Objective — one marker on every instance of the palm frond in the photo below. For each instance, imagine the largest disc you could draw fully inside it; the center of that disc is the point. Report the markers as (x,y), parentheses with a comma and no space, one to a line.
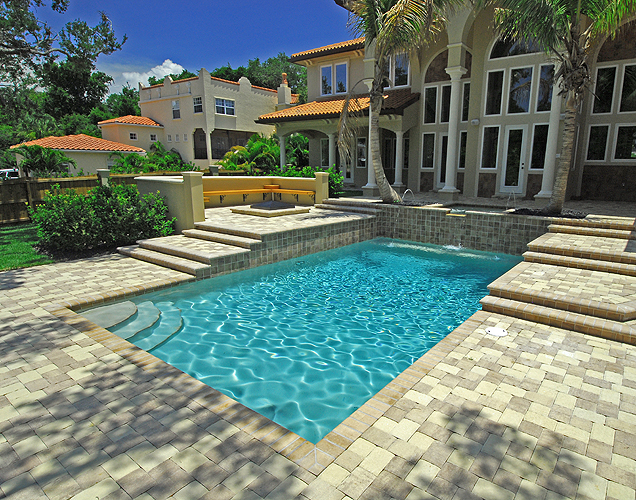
(349,126)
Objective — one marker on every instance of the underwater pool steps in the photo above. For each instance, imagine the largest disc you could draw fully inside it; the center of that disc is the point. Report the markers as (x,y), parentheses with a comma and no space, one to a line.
(168,324)
(146,316)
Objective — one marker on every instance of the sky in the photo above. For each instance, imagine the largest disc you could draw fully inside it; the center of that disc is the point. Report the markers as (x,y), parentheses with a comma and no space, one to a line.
(166,37)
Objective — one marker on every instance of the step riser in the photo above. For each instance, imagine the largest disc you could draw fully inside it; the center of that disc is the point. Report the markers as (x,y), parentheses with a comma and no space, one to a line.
(599,224)
(560,319)
(176,252)
(219,238)
(590,309)
(347,208)
(605,233)
(198,271)
(580,263)
(226,230)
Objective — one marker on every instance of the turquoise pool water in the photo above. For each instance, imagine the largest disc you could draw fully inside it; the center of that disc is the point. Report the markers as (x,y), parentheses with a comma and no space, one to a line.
(307,341)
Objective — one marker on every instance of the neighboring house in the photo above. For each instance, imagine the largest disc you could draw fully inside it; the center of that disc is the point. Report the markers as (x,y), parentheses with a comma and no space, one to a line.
(473,114)
(90,153)
(200,117)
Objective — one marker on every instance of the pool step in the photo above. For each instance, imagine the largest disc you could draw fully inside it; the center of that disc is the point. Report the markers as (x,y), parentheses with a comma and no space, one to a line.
(625,234)
(195,249)
(580,263)
(227,239)
(169,323)
(210,226)
(623,332)
(110,315)
(197,269)
(586,247)
(348,208)
(145,317)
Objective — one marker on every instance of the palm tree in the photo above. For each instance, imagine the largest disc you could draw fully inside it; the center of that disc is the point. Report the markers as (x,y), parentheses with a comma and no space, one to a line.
(390,27)
(569,31)
(40,161)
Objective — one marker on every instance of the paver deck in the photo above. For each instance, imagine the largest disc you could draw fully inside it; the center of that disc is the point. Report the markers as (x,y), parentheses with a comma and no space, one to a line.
(541,413)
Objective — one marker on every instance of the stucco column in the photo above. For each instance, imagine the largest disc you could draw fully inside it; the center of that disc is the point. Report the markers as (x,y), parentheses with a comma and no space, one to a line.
(449,189)
(208,146)
(399,158)
(332,151)
(370,172)
(283,153)
(549,165)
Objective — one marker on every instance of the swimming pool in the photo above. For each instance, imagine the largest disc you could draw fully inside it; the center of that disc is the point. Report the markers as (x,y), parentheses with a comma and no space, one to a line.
(307,341)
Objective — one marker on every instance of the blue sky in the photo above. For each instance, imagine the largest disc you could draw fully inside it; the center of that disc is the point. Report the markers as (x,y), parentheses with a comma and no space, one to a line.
(164,37)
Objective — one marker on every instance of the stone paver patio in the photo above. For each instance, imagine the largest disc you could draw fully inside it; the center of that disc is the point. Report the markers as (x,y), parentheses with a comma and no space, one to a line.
(542,413)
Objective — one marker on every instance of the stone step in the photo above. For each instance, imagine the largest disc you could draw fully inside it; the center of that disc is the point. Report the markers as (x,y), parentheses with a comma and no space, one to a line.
(227,239)
(580,263)
(622,332)
(348,208)
(197,269)
(617,223)
(352,203)
(586,247)
(210,226)
(145,317)
(110,315)
(593,293)
(195,249)
(593,231)
(170,322)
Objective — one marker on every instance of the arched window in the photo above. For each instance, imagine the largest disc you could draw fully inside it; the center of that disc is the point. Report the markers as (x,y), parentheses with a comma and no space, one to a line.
(511,48)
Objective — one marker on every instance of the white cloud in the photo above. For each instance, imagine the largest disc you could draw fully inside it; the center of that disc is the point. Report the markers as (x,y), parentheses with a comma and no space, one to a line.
(134,77)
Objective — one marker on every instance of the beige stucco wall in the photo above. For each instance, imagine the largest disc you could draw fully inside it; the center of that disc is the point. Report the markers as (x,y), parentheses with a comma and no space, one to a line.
(119,132)
(89,161)
(355,72)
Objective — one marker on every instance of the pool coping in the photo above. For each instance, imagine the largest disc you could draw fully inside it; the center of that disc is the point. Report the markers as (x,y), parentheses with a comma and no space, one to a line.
(314,457)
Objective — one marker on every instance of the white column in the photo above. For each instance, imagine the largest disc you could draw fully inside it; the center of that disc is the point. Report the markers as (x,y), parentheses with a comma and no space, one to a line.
(453,122)
(332,149)
(208,147)
(370,172)
(551,147)
(399,158)
(283,155)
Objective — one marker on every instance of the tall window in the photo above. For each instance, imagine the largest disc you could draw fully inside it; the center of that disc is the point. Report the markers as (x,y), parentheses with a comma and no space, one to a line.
(324,153)
(539,143)
(604,91)
(466,102)
(325,80)
(628,93)
(428,150)
(494,92)
(400,70)
(198,104)
(625,143)
(490,146)
(430,104)
(176,112)
(546,78)
(445,111)
(225,107)
(341,78)
(520,86)
(597,144)
(361,152)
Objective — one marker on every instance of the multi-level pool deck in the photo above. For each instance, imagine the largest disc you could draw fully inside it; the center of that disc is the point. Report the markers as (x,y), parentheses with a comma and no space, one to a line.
(546,412)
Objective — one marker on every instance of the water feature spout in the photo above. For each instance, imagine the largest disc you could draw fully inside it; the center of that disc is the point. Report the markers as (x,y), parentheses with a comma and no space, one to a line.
(406,191)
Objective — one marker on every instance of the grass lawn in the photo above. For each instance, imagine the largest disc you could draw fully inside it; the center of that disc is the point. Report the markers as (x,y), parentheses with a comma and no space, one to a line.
(16,247)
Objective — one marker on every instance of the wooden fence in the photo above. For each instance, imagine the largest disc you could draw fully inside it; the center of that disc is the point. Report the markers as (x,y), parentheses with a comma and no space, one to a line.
(17,195)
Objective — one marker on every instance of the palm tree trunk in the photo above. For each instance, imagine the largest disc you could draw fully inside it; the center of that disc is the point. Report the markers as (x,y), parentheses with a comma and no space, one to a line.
(565,160)
(387,193)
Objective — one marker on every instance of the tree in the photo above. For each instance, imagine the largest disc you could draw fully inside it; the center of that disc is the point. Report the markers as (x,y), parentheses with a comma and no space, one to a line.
(390,27)
(153,80)
(124,103)
(25,41)
(72,87)
(569,31)
(41,162)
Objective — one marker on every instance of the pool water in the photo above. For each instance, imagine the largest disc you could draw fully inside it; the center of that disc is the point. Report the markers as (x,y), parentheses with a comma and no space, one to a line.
(308,341)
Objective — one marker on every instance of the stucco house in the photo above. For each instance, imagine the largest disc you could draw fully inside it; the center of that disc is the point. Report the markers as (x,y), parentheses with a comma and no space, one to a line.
(474,115)
(201,117)
(90,153)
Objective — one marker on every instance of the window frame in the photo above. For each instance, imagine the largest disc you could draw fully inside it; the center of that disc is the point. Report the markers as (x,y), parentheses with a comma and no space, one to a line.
(133,136)
(465,85)
(330,67)
(153,137)
(195,105)
(622,84)
(422,167)
(536,91)
(617,126)
(324,161)
(508,86)
(169,138)
(503,92)
(494,168)
(436,88)
(224,106)
(334,79)
(534,131)
(366,152)
(392,67)
(176,107)
(608,126)
(613,103)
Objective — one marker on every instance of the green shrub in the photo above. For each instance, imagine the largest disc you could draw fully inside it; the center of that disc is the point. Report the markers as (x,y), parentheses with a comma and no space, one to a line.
(158,159)
(335,177)
(108,216)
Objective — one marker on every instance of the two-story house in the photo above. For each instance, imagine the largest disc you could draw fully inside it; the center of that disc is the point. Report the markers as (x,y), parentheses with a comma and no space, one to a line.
(474,114)
(200,117)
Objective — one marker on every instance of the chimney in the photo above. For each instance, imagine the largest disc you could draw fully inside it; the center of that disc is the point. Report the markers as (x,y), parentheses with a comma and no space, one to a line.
(284,94)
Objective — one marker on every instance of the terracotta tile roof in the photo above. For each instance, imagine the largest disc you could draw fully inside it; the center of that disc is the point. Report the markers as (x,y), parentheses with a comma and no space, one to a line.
(132,120)
(395,101)
(336,48)
(80,142)
(295,98)
(212,77)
